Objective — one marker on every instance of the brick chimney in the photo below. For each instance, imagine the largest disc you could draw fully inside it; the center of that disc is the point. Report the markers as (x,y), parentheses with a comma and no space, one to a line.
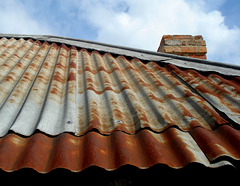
(184,45)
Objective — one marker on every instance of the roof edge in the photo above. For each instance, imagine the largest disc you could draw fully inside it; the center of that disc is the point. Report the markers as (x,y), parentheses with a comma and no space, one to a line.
(181,61)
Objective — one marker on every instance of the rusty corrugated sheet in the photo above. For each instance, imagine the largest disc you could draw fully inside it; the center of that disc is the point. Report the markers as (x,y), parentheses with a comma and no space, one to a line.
(221,91)
(146,113)
(144,149)
(61,89)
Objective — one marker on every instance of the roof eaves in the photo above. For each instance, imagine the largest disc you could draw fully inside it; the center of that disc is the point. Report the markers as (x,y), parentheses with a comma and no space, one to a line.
(180,61)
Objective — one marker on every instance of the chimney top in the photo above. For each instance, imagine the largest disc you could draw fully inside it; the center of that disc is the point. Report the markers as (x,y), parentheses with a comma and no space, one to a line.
(184,45)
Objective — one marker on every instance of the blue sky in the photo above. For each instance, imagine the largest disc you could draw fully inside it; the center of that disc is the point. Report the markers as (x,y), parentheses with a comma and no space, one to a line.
(131,23)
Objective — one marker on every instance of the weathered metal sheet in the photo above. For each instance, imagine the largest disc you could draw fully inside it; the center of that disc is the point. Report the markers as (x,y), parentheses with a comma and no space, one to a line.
(61,89)
(58,89)
(223,92)
(144,149)
(223,141)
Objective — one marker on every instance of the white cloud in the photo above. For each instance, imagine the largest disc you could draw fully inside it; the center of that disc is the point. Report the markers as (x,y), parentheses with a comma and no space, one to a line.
(142,23)
(15,19)
(132,23)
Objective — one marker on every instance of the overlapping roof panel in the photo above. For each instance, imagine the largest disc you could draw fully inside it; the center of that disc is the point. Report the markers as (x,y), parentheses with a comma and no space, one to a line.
(61,89)
(222,92)
(144,149)
(75,107)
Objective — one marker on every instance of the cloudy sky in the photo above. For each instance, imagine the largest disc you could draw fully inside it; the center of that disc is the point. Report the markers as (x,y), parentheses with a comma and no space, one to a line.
(132,23)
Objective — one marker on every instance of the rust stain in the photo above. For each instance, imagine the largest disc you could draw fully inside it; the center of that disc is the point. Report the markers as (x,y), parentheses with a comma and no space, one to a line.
(16,55)
(71,76)
(54,91)
(55,46)
(39,43)
(9,78)
(65,47)
(72,65)
(61,66)
(58,77)
(30,40)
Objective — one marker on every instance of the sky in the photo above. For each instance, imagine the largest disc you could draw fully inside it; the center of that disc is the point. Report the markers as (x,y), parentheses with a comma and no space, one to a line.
(131,23)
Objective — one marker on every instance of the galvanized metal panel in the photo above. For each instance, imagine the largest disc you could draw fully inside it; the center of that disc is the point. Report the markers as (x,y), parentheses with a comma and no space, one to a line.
(223,92)
(61,89)
(144,149)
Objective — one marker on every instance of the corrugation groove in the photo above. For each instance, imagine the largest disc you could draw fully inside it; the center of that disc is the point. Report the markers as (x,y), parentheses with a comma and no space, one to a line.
(6,45)
(12,71)
(37,97)
(3,41)
(144,149)
(221,92)
(52,117)
(77,91)
(9,60)
(33,70)
(21,89)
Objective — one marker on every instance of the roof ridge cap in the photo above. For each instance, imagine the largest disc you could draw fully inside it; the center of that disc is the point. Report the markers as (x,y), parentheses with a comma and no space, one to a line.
(147,55)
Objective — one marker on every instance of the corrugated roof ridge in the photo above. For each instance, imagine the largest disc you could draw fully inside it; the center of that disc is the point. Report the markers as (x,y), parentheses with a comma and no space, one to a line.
(181,61)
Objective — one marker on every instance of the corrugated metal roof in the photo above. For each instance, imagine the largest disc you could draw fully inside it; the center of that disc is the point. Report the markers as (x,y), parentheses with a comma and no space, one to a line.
(57,88)
(222,92)
(61,89)
(144,149)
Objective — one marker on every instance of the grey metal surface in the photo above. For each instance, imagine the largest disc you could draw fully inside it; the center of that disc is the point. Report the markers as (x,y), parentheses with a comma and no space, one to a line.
(61,89)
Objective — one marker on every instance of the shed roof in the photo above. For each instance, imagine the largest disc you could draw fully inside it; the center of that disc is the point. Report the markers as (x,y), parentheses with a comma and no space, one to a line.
(100,94)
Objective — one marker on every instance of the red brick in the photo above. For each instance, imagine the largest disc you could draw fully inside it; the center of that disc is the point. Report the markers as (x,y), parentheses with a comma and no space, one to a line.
(202,50)
(160,49)
(184,43)
(171,49)
(191,42)
(198,56)
(199,37)
(200,43)
(167,37)
(179,37)
(188,50)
